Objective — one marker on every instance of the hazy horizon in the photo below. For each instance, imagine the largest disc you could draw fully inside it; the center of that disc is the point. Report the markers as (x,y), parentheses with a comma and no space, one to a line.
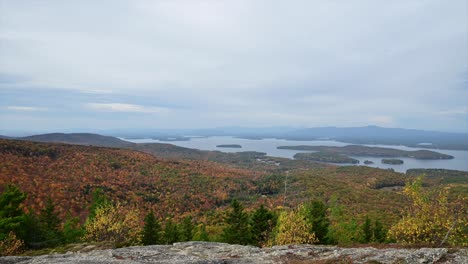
(228,130)
(178,64)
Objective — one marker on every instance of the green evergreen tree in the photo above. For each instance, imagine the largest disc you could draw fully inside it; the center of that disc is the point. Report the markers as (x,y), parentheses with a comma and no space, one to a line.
(367,230)
(344,230)
(151,230)
(34,237)
(237,230)
(201,234)
(12,217)
(262,224)
(379,232)
(316,215)
(50,223)
(186,229)
(171,232)
(72,230)
(99,199)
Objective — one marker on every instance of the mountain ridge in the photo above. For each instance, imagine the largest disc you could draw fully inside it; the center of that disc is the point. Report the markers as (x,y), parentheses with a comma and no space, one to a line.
(354,135)
(79,139)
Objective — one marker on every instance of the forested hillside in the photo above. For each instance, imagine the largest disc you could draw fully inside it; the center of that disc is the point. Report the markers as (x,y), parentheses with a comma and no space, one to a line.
(70,173)
(182,200)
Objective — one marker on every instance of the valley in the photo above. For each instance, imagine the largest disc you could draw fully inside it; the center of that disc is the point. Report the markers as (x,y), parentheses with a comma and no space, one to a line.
(178,183)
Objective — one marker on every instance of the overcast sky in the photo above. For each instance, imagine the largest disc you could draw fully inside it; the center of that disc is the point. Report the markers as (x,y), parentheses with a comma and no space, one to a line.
(211,63)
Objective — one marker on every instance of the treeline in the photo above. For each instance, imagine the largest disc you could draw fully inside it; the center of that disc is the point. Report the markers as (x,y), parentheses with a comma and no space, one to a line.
(311,222)
(430,220)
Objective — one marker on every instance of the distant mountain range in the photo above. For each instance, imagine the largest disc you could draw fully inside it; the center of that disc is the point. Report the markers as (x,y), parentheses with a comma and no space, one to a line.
(384,136)
(354,135)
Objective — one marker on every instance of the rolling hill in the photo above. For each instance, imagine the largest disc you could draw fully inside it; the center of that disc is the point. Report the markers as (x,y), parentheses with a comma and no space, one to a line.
(178,187)
(246,159)
(70,173)
(80,139)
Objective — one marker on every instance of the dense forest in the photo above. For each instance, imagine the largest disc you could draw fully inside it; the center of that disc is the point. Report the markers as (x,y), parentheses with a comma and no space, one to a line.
(358,150)
(57,194)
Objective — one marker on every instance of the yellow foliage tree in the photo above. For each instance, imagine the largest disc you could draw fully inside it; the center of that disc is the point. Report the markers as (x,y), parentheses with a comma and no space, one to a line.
(293,228)
(116,224)
(431,219)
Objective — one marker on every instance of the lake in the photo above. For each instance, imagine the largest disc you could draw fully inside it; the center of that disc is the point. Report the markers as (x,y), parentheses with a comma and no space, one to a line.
(268,145)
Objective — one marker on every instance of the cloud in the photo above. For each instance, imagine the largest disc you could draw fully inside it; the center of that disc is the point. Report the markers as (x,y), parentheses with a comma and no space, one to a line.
(26,108)
(128,108)
(96,91)
(456,111)
(307,63)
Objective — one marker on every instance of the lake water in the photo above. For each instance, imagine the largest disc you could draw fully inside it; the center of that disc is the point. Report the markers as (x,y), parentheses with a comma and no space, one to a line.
(269,146)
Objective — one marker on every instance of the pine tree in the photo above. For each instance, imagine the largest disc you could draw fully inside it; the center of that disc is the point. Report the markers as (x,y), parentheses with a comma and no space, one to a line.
(186,229)
(171,232)
(99,199)
(367,230)
(50,223)
(201,234)
(316,215)
(151,230)
(379,232)
(237,230)
(343,229)
(34,235)
(72,230)
(12,217)
(262,223)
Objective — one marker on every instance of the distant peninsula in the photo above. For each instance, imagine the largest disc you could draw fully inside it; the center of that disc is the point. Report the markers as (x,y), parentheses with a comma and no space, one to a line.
(229,146)
(358,150)
(392,161)
(323,156)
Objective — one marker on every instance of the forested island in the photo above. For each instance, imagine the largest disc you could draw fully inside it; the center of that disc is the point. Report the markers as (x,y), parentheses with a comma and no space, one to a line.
(229,146)
(392,161)
(323,156)
(358,150)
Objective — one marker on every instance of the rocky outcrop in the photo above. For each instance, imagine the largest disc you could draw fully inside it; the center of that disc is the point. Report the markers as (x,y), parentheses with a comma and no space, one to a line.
(211,253)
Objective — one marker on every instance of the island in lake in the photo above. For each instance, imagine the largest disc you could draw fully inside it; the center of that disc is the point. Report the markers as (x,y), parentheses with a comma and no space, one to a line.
(324,156)
(358,150)
(367,162)
(229,146)
(392,161)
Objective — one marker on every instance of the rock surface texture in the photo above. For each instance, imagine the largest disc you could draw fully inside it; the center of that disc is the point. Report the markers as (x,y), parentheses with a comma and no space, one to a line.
(206,252)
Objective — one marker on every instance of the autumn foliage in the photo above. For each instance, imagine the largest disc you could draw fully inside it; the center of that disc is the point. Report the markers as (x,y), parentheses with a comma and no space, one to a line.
(67,193)
(293,228)
(116,224)
(69,174)
(431,219)
(11,245)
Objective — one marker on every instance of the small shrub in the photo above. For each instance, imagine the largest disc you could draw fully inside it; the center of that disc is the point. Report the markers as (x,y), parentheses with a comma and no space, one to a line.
(11,245)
